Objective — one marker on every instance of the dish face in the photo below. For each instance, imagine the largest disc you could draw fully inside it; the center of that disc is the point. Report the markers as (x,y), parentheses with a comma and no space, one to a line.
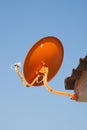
(48,50)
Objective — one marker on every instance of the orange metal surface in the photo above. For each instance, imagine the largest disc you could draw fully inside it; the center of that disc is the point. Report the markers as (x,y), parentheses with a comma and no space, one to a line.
(48,52)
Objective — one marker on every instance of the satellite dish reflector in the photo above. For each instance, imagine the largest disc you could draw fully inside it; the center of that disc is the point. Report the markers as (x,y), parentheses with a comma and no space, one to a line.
(48,52)
(42,63)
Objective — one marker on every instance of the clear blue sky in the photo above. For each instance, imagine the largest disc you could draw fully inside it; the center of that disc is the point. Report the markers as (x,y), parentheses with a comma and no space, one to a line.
(22,23)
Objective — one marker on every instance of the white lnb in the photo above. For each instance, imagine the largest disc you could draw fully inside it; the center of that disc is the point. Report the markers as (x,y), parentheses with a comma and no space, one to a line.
(17,64)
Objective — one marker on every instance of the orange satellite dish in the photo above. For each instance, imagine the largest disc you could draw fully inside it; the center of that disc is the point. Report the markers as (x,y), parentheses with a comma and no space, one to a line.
(49,52)
(42,63)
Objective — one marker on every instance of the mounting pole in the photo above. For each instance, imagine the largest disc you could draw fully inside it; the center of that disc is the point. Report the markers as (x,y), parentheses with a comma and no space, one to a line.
(45,71)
